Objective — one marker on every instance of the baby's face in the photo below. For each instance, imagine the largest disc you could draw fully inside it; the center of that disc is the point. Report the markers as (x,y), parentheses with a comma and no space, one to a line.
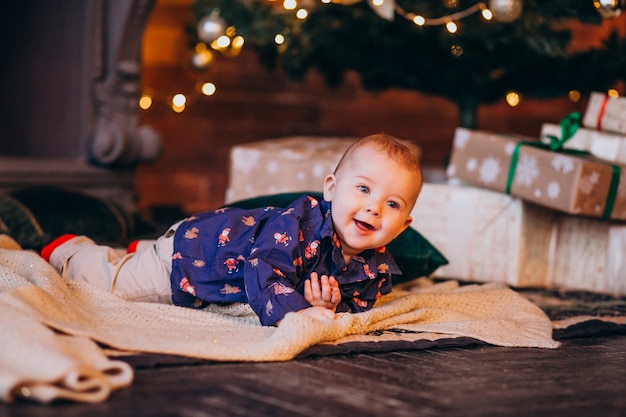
(372,200)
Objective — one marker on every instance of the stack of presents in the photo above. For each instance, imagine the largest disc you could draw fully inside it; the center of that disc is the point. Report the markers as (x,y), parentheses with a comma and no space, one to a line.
(529,212)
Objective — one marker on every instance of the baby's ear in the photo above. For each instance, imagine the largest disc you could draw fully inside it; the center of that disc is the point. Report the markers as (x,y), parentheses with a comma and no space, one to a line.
(407,223)
(329,187)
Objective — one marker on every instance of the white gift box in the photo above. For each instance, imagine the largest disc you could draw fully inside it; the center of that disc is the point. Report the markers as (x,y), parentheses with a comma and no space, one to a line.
(491,237)
(290,164)
(605,113)
(486,236)
(608,146)
(589,254)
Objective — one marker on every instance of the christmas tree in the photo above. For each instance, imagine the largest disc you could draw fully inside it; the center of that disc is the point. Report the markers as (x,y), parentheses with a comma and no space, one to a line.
(470,53)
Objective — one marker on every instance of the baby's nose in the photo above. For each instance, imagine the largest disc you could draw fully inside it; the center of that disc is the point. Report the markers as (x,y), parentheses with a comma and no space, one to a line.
(373,209)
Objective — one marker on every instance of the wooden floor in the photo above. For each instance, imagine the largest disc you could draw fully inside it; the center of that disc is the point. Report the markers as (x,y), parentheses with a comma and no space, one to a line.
(585,377)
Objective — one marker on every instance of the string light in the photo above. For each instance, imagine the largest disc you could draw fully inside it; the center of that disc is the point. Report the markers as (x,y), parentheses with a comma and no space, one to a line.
(208,89)
(145,102)
(279,39)
(179,102)
(202,56)
(513,98)
(228,42)
(447,20)
(237,42)
(419,20)
(216,36)
(211,27)
(290,4)
(222,42)
(574,96)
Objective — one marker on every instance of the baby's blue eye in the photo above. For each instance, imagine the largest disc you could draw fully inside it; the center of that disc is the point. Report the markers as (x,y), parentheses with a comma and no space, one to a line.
(364,189)
(392,204)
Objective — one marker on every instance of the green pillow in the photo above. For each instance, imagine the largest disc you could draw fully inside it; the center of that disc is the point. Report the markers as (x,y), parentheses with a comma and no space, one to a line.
(415,255)
(34,216)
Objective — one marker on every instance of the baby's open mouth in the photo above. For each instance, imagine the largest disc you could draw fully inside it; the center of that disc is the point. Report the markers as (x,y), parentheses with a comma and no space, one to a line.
(363,226)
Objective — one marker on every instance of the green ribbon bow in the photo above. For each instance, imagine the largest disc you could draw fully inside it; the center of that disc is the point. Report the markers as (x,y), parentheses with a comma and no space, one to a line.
(569,125)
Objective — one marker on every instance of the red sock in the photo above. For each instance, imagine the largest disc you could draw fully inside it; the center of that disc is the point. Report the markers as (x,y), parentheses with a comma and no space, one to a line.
(132,247)
(47,250)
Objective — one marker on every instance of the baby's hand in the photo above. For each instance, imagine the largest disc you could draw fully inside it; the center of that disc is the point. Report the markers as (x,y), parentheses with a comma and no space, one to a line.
(322,292)
(318,312)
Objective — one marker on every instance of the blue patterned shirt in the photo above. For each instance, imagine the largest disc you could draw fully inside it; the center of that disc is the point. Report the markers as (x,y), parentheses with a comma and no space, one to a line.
(263,256)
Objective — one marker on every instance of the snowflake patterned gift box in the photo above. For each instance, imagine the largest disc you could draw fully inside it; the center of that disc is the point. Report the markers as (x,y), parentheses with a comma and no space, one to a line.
(606,113)
(280,165)
(572,183)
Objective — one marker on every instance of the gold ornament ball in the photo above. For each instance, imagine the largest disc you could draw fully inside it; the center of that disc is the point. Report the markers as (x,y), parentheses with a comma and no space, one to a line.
(506,11)
(610,8)
(211,27)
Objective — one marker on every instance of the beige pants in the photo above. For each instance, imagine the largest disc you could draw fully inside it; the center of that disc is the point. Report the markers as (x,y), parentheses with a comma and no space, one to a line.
(140,276)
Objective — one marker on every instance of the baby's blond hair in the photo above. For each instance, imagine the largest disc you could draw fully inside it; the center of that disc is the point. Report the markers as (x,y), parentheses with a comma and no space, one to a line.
(403,152)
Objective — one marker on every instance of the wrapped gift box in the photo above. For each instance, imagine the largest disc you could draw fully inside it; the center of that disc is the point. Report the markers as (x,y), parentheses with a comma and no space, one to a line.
(588,254)
(485,235)
(606,113)
(290,164)
(491,237)
(569,183)
(608,146)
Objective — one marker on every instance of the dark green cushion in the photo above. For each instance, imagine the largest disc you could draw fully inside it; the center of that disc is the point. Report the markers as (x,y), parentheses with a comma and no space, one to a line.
(34,216)
(414,254)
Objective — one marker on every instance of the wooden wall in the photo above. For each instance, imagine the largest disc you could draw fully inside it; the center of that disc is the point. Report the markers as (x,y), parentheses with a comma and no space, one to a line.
(252,104)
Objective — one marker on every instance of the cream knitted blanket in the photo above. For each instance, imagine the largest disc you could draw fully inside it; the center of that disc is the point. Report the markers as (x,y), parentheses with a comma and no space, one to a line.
(53,330)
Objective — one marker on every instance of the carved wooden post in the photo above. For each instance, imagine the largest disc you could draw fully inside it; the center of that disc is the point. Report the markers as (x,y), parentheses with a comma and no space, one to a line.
(118,140)
(69,103)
